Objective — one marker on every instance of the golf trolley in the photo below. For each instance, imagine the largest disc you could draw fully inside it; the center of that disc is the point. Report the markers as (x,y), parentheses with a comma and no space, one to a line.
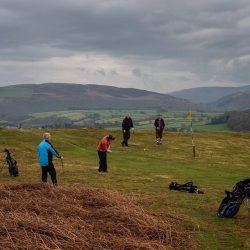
(230,205)
(12,163)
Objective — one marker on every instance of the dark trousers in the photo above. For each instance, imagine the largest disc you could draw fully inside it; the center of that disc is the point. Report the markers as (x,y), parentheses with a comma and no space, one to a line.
(102,161)
(52,172)
(158,134)
(126,136)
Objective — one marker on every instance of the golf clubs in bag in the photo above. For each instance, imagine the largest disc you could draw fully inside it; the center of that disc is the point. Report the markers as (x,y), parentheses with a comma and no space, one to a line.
(230,205)
(188,187)
(12,163)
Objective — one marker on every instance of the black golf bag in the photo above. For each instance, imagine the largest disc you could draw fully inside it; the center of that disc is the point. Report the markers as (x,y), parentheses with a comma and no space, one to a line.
(12,164)
(188,187)
(230,205)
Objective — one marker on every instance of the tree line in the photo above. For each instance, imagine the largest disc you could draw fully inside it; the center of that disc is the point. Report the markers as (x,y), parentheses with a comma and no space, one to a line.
(235,120)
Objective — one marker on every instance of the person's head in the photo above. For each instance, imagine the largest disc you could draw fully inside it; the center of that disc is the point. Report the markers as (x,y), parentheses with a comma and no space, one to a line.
(110,137)
(127,115)
(160,116)
(47,136)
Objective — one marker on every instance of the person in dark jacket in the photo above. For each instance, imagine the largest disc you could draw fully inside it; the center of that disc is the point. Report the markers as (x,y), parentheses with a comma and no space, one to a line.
(102,149)
(45,152)
(159,127)
(12,163)
(127,125)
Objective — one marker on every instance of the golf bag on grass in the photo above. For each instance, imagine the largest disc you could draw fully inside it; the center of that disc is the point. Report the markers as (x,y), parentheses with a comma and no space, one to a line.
(188,187)
(12,164)
(230,205)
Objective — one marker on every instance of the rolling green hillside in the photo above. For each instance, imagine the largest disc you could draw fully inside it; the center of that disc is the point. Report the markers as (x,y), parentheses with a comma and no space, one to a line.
(236,101)
(26,99)
(208,94)
(145,170)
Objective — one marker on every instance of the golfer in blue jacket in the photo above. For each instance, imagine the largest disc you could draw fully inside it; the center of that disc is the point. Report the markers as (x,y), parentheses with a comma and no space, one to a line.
(45,152)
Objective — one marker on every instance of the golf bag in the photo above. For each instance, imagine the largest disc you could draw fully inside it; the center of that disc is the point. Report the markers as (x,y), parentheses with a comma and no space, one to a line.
(230,205)
(188,187)
(12,164)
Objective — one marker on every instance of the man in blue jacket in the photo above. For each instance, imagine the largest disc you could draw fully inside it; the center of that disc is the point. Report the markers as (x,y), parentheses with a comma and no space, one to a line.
(45,152)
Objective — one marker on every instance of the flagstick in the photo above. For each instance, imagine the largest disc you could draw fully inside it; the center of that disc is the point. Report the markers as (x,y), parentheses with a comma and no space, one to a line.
(192,134)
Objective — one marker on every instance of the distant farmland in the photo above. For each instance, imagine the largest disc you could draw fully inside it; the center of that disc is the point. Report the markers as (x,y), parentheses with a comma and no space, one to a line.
(143,119)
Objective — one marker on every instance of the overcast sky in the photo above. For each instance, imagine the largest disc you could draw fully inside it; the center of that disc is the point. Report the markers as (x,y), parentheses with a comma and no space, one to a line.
(160,45)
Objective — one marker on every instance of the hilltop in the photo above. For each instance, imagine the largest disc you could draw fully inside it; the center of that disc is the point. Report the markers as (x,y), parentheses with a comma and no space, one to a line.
(207,95)
(235,101)
(35,98)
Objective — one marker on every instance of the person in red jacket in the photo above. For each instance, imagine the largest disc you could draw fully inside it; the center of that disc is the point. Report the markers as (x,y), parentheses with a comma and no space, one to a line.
(102,149)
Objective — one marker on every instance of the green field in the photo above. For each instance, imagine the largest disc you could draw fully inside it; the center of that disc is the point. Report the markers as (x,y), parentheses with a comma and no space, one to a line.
(146,170)
(143,119)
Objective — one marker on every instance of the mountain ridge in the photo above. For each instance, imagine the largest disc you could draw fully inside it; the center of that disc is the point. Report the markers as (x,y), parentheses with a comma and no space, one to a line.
(33,98)
(206,95)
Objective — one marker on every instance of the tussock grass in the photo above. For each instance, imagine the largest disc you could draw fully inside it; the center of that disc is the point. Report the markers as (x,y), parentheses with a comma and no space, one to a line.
(43,217)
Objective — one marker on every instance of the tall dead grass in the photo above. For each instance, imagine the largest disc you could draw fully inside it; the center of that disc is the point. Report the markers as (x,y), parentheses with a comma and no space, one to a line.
(38,216)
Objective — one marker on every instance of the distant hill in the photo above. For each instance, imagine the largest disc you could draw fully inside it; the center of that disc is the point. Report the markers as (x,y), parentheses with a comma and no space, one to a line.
(33,98)
(207,95)
(236,101)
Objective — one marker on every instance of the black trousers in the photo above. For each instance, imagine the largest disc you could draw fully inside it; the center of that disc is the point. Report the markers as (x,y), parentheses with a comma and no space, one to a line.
(102,161)
(158,133)
(52,172)
(126,136)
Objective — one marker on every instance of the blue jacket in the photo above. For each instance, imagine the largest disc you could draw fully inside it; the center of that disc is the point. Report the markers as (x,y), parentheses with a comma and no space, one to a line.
(45,151)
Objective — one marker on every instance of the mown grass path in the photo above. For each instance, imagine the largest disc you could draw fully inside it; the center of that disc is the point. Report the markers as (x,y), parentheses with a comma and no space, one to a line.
(146,169)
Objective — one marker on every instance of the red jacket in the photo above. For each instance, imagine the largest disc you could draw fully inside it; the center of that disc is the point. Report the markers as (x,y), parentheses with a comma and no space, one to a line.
(103,144)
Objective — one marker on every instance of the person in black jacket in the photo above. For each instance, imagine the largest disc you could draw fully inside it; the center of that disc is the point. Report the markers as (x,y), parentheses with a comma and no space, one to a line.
(127,124)
(159,127)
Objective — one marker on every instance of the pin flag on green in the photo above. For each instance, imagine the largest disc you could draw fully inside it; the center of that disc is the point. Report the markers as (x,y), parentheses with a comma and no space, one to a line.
(189,117)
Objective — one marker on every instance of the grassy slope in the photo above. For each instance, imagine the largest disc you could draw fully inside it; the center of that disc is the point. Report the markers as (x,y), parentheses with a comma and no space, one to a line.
(223,159)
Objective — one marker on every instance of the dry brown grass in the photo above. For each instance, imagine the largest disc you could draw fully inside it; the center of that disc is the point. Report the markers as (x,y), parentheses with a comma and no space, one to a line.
(37,216)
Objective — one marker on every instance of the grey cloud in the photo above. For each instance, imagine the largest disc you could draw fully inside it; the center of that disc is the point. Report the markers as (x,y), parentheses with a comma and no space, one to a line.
(101,72)
(137,72)
(194,33)
(113,72)
(115,30)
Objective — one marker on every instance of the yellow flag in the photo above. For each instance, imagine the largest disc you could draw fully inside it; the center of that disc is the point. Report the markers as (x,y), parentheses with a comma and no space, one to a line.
(189,115)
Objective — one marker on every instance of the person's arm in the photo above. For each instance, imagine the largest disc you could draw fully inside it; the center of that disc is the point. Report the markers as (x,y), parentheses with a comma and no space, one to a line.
(53,151)
(163,124)
(109,149)
(123,124)
(155,123)
(107,146)
(131,124)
